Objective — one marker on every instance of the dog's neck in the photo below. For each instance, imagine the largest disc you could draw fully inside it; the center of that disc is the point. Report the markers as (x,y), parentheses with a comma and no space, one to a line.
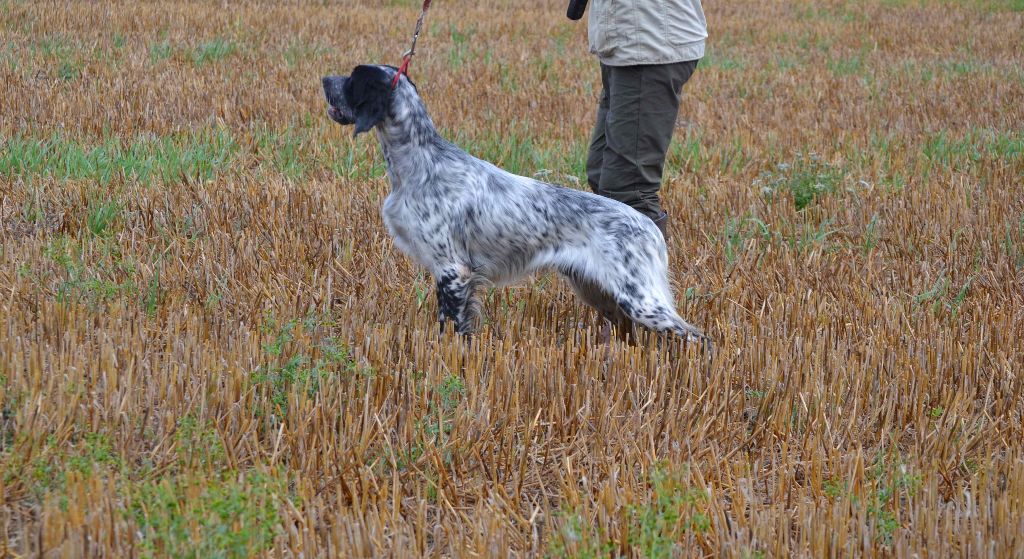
(408,126)
(407,137)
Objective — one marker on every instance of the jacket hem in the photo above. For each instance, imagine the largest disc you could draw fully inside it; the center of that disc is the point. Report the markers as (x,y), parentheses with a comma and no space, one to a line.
(684,53)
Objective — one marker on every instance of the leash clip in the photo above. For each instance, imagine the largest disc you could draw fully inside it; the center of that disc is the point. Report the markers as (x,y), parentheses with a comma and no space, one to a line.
(407,57)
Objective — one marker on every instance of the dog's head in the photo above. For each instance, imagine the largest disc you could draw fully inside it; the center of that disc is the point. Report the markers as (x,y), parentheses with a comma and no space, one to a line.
(363,98)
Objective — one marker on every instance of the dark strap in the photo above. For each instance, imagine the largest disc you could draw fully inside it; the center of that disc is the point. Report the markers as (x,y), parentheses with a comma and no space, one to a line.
(576,9)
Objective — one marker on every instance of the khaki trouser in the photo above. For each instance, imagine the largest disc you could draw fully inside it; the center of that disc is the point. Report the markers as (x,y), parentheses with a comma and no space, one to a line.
(635,119)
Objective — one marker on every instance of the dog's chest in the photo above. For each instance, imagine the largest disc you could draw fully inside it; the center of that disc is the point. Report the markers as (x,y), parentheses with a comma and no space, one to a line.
(416,231)
(395,217)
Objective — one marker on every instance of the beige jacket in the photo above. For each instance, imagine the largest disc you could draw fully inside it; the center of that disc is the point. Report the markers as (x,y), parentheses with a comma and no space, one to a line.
(632,32)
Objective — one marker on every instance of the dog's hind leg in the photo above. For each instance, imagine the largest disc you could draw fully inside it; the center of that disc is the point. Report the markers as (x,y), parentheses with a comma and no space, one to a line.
(456,297)
(602,301)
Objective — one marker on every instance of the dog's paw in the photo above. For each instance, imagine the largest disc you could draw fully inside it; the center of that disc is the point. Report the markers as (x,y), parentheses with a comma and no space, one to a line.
(707,345)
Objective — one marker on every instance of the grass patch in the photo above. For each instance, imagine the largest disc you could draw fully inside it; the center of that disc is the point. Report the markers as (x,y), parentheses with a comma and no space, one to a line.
(297,368)
(75,280)
(741,234)
(160,51)
(1013,242)
(213,51)
(848,66)
(947,151)
(281,150)
(197,155)
(55,46)
(194,516)
(103,215)
(356,160)
(998,6)
(298,52)
(722,60)
(460,51)
(961,68)
(889,485)
(45,474)
(655,527)
(69,70)
(520,152)
(806,179)
(940,297)
(198,444)
(685,153)
(62,53)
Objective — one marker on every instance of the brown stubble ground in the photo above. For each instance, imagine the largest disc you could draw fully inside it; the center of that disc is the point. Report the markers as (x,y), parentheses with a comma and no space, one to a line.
(862,400)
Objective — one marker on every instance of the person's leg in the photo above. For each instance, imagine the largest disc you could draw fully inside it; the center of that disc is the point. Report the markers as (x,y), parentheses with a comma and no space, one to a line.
(597,138)
(643,102)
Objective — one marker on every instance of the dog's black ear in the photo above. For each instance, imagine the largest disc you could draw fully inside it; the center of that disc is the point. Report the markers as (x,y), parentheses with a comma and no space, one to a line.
(368,92)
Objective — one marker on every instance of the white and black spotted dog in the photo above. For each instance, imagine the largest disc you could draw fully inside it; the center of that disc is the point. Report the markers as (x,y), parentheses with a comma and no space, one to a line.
(471,223)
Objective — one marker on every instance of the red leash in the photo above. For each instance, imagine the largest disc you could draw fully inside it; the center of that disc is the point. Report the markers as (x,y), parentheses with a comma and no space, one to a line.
(404,68)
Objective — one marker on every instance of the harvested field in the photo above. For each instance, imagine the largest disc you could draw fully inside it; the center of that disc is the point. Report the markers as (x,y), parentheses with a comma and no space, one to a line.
(209,346)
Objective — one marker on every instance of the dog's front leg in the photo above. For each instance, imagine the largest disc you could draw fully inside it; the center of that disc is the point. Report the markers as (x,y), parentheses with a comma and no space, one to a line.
(455,298)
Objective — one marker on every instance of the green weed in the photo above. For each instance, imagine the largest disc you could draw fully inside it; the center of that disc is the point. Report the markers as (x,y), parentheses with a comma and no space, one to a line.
(54,47)
(92,285)
(297,370)
(451,392)
(198,444)
(811,235)
(892,483)
(735,234)
(282,150)
(197,155)
(674,509)
(518,151)
(799,237)
(685,153)
(851,65)
(235,517)
(721,60)
(870,235)
(356,160)
(656,528)
(102,216)
(577,539)
(160,51)
(808,178)
(997,6)
(298,52)
(69,70)
(944,151)
(459,52)
(934,294)
(733,156)
(91,454)
(835,488)
(213,50)
(151,299)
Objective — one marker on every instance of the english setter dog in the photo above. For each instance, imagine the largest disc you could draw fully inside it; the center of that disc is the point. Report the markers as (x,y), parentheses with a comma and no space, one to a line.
(470,223)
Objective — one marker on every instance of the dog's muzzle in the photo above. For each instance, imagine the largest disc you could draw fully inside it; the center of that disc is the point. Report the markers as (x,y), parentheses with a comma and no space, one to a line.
(337,110)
